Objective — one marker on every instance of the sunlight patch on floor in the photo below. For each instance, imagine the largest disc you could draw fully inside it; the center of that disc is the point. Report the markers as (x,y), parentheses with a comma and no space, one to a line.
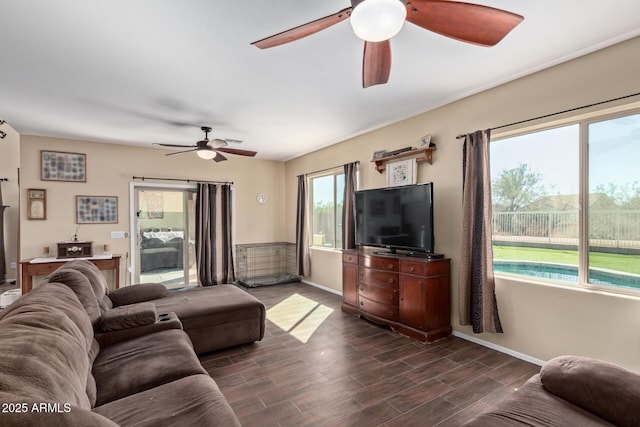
(298,315)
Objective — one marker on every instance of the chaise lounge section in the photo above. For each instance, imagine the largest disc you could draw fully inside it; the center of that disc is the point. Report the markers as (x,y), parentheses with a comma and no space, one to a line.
(214,317)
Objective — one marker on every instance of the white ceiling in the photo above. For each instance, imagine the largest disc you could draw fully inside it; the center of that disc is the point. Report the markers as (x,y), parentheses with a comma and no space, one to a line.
(144,71)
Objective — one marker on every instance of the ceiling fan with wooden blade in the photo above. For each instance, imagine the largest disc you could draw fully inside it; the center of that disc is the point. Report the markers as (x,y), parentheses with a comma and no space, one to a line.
(371,21)
(210,149)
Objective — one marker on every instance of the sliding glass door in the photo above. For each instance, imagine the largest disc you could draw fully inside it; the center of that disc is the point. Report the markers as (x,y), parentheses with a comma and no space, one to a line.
(164,230)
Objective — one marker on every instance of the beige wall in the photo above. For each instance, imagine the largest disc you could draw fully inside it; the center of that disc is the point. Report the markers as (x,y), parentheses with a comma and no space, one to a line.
(539,320)
(9,164)
(110,169)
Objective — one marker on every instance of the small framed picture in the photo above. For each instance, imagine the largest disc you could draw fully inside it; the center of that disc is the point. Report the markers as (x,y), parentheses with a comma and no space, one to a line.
(378,154)
(61,166)
(425,140)
(96,209)
(36,203)
(155,204)
(403,172)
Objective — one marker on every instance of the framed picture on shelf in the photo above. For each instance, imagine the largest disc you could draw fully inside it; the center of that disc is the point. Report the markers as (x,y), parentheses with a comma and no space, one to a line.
(96,209)
(378,154)
(425,141)
(61,166)
(403,172)
(36,203)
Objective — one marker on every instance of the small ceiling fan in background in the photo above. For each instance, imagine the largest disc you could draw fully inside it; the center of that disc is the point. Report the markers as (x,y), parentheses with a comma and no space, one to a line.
(210,149)
(377,21)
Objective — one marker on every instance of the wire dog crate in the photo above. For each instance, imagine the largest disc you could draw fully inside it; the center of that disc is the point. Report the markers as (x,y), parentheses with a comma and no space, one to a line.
(261,264)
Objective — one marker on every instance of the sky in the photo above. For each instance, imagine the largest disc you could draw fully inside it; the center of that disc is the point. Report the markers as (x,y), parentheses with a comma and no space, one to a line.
(614,154)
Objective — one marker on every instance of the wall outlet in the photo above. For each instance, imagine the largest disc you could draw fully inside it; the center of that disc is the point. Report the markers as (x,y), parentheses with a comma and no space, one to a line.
(12,265)
(119,234)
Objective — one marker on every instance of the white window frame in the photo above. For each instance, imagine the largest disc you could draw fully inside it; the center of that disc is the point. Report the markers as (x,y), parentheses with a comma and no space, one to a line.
(334,172)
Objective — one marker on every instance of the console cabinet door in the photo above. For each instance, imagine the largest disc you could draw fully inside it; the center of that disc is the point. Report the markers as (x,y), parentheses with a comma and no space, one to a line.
(350,278)
(412,301)
(350,284)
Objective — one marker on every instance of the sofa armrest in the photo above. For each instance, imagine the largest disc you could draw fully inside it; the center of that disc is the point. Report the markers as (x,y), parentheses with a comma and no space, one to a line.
(605,389)
(128,316)
(163,322)
(137,293)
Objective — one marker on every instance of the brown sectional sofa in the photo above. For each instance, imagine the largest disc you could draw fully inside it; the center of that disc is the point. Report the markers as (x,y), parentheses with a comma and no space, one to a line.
(72,356)
(570,391)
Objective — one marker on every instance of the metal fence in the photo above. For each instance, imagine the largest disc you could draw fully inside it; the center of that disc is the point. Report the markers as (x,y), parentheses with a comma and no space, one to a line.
(616,228)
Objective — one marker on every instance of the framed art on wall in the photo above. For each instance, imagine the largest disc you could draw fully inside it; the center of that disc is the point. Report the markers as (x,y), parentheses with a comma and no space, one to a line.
(96,209)
(61,166)
(403,172)
(155,205)
(36,203)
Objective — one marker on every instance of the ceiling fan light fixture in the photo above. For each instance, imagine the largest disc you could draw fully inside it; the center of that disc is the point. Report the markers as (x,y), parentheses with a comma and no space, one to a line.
(206,153)
(378,20)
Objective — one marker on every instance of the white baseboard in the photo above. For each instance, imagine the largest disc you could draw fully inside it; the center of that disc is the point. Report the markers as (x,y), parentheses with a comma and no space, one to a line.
(324,288)
(499,348)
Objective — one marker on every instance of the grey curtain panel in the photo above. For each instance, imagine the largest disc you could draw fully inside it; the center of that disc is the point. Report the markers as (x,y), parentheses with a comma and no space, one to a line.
(303,259)
(348,206)
(476,286)
(214,252)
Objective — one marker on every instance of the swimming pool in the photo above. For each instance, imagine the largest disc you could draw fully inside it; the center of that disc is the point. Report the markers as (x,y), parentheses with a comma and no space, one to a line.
(565,273)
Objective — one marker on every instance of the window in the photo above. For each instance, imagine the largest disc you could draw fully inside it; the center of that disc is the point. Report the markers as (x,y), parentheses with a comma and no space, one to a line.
(326,207)
(539,183)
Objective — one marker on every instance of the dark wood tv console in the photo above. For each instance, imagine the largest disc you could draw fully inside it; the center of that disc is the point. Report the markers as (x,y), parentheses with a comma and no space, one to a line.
(408,294)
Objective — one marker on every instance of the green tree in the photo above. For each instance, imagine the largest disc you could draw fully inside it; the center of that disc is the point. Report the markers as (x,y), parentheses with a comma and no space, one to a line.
(516,188)
(624,195)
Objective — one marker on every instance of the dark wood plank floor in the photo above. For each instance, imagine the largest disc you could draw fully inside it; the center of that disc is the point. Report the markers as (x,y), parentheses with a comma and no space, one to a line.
(329,368)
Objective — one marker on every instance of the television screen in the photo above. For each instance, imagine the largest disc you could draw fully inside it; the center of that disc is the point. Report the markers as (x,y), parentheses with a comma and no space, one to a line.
(396,217)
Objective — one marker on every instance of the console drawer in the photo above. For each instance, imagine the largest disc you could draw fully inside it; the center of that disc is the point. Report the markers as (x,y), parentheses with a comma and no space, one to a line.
(422,268)
(379,263)
(350,257)
(412,267)
(379,278)
(381,295)
(385,311)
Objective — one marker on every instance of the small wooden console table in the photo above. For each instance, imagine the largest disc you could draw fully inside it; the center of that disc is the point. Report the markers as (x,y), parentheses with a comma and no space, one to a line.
(29,269)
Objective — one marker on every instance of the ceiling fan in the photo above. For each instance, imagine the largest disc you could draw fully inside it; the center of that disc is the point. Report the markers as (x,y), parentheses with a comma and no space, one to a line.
(210,149)
(377,21)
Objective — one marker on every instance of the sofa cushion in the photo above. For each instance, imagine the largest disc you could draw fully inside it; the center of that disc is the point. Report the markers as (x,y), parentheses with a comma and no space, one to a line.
(137,293)
(43,354)
(97,280)
(605,389)
(128,316)
(139,364)
(59,296)
(204,306)
(79,284)
(191,401)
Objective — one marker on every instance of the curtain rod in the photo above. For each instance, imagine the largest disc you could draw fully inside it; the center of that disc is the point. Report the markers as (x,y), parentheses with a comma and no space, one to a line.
(183,180)
(559,112)
(327,169)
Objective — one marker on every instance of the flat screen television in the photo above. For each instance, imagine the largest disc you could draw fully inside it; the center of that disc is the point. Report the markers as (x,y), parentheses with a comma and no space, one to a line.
(396,218)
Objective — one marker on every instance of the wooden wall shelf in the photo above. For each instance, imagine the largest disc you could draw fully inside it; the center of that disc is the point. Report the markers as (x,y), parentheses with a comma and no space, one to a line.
(425,155)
